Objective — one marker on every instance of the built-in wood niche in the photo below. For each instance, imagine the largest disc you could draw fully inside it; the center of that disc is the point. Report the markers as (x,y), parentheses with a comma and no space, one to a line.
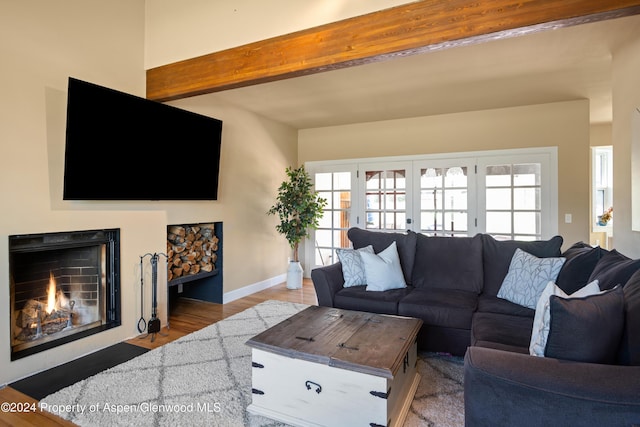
(194,261)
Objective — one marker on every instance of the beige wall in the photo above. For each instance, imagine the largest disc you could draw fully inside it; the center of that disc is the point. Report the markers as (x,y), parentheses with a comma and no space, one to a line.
(182,29)
(626,97)
(564,124)
(42,43)
(600,136)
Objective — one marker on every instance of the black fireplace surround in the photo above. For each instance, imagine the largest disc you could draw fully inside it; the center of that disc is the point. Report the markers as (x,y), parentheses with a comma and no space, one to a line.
(63,286)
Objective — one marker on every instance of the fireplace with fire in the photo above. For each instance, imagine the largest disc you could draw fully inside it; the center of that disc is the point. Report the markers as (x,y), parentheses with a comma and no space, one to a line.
(64,286)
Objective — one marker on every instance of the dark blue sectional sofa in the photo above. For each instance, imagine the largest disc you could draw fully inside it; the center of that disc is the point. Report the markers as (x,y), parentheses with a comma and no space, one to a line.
(452,285)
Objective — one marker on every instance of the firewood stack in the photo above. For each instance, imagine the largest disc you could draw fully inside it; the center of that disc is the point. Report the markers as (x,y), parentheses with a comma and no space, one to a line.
(191,249)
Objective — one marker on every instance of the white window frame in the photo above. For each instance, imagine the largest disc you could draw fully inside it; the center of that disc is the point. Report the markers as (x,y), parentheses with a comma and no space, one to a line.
(308,245)
(407,166)
(546,156)
(469,163)
(606,154)
(548,160)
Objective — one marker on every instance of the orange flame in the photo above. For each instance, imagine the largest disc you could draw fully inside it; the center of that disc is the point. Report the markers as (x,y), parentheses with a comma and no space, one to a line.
(51,295)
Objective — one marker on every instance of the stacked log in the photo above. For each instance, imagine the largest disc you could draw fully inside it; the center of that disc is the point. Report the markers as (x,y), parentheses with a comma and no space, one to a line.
(191,249)
(33,313)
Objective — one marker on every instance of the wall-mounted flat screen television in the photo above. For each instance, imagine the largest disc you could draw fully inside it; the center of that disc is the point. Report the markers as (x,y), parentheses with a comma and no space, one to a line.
(123,147)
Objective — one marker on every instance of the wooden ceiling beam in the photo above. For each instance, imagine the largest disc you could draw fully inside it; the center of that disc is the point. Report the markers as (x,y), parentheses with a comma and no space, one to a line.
(403,30)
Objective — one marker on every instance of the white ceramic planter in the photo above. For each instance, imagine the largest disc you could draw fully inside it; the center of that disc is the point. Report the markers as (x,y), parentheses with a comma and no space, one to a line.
(294,275)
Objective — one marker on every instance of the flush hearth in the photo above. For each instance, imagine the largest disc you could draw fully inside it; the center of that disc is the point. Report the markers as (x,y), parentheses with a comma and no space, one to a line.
(64,286)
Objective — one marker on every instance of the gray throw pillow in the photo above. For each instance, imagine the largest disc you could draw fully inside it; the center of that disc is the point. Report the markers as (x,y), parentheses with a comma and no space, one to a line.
(586,329)
(629,353)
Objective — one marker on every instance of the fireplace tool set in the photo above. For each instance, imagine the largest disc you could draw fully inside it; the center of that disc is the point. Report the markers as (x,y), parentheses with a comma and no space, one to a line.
(153,326)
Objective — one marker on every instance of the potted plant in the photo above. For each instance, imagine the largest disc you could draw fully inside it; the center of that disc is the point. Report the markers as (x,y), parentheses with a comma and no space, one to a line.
(299,209)
(606,216)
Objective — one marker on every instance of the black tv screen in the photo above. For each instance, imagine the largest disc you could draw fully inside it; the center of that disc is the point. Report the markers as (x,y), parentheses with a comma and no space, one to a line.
(123,147)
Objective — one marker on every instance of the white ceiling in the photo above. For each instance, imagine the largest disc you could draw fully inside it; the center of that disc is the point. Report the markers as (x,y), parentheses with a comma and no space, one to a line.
(552,66)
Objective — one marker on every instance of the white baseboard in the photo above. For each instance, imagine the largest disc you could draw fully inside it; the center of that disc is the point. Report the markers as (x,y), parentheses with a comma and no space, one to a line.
(252,289)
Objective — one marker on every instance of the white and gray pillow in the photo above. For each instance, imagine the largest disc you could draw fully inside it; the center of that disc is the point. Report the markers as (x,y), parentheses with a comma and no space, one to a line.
(352,267)
(527,277)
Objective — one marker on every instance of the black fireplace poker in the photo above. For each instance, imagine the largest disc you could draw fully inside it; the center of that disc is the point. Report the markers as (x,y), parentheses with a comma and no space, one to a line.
(153,326)
(142,324)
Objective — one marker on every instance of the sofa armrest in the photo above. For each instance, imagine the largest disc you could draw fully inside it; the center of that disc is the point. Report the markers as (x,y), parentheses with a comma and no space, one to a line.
(327,281)
(502,388)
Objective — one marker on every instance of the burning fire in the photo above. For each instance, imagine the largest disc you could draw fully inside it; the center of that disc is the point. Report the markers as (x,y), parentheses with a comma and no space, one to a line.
(51,295)
(55,298)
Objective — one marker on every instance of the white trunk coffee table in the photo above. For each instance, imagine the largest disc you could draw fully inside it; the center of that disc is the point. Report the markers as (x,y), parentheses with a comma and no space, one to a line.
(331,367)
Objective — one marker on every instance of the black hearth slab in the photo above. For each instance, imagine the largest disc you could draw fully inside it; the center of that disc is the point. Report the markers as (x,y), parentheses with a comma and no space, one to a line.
(43,384)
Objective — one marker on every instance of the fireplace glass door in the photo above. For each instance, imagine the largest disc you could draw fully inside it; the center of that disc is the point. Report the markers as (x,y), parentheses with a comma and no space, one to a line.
(64,286)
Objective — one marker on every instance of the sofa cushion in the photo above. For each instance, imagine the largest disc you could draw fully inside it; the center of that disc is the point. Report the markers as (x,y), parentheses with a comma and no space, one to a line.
(586,329)
(576,249)
(500,346)
(440,307)
(614,269)
(527,277)
(359,299)
(630,344)
(406,243)
(448,263)
(383,269)
(502,329)
(493,304)
(497,257)
(352,267)
(581,260)
(542,318)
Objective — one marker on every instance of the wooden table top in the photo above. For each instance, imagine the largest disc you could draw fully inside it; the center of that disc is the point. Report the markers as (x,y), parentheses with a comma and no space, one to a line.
(369,343)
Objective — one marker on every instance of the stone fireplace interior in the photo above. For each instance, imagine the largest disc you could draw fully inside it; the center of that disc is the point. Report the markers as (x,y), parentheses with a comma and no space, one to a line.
(63,287)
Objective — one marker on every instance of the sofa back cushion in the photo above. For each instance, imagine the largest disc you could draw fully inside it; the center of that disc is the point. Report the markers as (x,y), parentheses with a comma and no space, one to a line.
(614,269)
(448,263)
(405,242)
(629,353)
(497,255)
(581,261)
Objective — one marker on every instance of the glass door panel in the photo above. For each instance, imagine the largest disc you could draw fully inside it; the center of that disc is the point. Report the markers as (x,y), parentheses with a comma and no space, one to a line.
(444,197)
(513,200)
(336,188)
(385,196)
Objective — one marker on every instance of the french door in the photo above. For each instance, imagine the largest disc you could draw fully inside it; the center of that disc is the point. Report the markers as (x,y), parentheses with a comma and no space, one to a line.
(510,196)
(338,185)
(446,194)
(387,196)
(518,199)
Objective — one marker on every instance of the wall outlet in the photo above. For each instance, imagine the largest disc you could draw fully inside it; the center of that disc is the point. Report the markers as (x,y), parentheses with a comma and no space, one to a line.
(567,218)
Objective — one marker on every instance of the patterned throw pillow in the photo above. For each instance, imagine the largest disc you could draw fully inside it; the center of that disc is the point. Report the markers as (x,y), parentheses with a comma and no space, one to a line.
(527,277)
(352,266)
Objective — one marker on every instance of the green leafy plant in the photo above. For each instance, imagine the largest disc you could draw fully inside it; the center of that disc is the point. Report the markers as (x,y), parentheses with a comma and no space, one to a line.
(298,207)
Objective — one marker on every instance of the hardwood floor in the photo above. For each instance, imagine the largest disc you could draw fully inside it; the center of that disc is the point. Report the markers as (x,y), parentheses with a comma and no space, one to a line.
(186,316)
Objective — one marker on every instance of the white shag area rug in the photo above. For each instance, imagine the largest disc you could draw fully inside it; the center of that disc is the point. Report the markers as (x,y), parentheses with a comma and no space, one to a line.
(204,379)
